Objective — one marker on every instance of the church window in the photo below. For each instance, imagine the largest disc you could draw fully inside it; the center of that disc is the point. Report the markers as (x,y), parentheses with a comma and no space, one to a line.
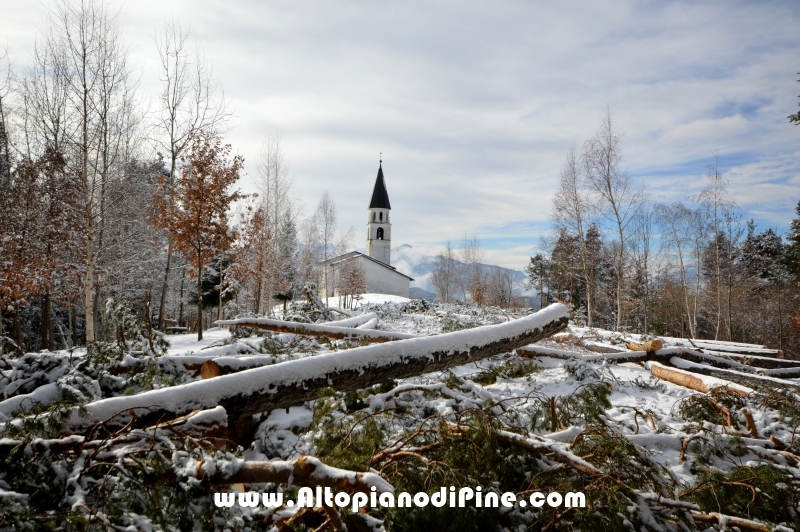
(381,216)
(373,216)
(380,233)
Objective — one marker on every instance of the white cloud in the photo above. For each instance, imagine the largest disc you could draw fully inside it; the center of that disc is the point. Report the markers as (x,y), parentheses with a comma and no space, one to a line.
(474,105)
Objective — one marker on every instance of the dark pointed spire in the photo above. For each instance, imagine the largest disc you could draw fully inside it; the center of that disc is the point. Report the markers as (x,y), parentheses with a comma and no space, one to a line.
(380,198)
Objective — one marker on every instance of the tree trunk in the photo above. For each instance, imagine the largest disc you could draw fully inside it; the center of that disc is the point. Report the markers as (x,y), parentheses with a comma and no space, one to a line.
(290,383)
(221,278)
(199,298)
(88,288)
(47,322)
(180,306)
(16,334)
(165,285)
(73,325)
(312,329)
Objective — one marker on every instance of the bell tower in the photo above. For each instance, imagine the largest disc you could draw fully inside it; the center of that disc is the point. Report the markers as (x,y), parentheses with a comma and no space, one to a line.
(379,230)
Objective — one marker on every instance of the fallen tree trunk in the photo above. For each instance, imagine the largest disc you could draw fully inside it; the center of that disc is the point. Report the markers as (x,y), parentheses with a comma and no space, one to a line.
(664,355)
(305,471)
(687,380)
(744,379)
(757,361)
(224,355)
(211,425)
(283,385)
(726,347)
(312,329)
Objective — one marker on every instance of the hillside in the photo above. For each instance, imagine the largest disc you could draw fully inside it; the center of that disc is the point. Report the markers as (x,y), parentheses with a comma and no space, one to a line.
(419,266)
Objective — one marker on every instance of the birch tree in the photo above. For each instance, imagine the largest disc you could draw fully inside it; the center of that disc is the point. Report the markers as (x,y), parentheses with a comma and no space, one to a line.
(445,274)
(5,154)
(275,205)
(84,42)
(572,211)
(676,221)
(602,157)
(325,222)
(720,210)
(471,276)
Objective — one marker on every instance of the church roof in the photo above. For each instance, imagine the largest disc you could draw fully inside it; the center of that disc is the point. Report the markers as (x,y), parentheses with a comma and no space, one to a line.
(357,254)
(380,198)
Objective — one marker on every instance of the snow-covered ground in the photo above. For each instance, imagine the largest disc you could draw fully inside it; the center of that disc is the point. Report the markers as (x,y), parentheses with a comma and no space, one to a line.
(625,399)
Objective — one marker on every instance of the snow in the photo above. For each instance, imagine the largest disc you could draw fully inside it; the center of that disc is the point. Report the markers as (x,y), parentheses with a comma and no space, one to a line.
(209,393)
(283,434)
(46,394)
(371,299)
(181,344)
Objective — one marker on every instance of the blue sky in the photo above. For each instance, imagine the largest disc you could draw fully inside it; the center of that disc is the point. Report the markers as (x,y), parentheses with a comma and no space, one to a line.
(475,104)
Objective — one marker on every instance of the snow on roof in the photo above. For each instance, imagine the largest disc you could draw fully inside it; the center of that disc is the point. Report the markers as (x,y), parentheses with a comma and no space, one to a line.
(355,254)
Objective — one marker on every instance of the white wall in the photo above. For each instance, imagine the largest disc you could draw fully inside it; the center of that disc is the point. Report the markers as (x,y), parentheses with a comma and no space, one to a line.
(380,280)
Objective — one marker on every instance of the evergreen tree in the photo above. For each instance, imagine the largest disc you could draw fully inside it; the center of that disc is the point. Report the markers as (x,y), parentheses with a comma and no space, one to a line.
(215,272)
(287,259)
(793,245)
(538,271)
(795,117)
(764,254)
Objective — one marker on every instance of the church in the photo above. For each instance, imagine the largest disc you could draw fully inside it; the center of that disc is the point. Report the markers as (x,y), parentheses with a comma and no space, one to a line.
(380,276)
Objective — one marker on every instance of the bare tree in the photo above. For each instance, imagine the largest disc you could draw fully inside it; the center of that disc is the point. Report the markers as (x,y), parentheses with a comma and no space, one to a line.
(683,235)
(277,204)
(445,275)
(720,211)
(187,103)
(309,254)
(325,221)
(5,154)
(500,284)
(471,276)
(84,48)
(602,157)
(351,282)
(572,211)
(641,251)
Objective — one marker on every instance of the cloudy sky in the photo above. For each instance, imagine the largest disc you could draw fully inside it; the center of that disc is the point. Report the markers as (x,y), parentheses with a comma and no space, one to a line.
(475,104)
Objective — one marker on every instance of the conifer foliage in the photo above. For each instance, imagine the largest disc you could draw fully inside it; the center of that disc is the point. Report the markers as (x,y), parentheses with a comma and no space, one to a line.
(194,210)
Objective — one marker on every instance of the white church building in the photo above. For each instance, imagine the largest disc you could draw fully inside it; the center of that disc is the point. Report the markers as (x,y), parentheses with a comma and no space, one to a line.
(380,276)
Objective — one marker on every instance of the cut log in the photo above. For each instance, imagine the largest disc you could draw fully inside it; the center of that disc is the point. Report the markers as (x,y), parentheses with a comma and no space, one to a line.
(744,379)
(650,345)
(312,329)
(305,471)
(679,377)
(209,369)
(289,383)
(757,361)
